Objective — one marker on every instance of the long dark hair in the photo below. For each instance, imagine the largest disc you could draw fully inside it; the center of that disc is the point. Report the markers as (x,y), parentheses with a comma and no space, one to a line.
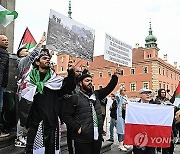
(159,92)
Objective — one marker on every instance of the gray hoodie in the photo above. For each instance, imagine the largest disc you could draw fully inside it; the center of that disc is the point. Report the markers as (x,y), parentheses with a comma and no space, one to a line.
(23,63)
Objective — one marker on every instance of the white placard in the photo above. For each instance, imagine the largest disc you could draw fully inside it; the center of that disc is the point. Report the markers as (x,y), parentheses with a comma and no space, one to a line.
(117,51)
(70,37)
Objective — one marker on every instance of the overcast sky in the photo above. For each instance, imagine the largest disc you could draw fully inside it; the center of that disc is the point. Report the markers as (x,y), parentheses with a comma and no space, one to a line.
(126,20)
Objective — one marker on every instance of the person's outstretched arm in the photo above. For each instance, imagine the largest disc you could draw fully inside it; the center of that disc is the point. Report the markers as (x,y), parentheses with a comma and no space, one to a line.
(102,93)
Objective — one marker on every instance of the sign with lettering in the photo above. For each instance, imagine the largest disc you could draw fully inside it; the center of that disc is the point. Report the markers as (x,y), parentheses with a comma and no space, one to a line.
(117,51)
(70,37)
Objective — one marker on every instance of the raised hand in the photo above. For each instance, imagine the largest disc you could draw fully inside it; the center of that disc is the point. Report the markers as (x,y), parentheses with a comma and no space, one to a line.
(71,65)
(43,38)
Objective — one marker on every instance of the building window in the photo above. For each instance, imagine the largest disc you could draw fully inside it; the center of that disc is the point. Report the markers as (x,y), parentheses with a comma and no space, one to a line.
(109,74)
(163,71)
(167,86)
(62,59)
(171,76)
(175,75)
(149,56)
(133,87)
(159,85)
(62,68)
(132,71)
(100,87)
(121,72)
(122,85)
(92,74)
(145,69)
(167,73)
(146,85)
(160,71)
(164,85)
(100,74)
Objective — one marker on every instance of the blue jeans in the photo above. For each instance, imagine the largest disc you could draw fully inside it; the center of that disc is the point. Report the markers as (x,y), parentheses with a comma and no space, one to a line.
(1,97)
(120,137)
(111,128)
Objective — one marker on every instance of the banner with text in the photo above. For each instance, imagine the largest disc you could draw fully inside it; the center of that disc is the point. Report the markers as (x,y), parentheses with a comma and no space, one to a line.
(117,51)
(70,37)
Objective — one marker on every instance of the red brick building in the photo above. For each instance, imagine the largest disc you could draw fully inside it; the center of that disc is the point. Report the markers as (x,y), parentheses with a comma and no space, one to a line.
(147,71)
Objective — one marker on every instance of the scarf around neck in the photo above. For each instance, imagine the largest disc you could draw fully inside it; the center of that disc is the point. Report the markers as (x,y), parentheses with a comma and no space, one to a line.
(35,79)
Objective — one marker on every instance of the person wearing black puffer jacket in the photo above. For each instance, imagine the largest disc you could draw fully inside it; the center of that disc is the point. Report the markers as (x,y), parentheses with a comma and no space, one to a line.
(4,71)
(83,115)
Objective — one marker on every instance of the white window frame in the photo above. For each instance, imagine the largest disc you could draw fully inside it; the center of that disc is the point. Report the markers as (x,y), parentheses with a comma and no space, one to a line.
(100,86)
(109,73)
(101,74)
(134,86)
(147,85)
(144,69)
(131,71)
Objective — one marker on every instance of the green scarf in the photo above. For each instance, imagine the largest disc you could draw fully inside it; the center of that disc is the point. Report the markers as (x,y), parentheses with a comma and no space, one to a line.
(35,79)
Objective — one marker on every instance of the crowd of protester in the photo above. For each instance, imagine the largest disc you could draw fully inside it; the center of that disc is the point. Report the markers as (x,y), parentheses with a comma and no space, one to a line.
(47,100)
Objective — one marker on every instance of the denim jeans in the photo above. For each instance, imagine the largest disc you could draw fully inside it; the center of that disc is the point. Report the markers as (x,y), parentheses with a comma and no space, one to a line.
(1,97)
(120,137)
(111,128)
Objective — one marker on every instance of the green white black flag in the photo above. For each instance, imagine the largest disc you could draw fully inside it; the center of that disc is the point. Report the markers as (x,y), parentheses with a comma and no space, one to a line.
(6,16)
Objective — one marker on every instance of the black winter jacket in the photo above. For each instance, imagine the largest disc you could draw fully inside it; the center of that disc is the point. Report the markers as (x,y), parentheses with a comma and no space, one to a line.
(113,109)
(4,67)
(78,113)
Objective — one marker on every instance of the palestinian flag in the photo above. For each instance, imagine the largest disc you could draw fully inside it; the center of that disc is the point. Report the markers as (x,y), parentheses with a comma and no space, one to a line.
(6,16)
(27,40)
(177,96)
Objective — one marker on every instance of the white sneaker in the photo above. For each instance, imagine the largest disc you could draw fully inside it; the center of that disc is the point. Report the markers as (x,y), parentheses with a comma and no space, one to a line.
(22,139)
(4,135)
(128,147)
(20,142)
(122,148)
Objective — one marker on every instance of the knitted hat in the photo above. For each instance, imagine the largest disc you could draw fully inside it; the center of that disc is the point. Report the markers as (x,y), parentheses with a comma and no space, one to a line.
(82,77)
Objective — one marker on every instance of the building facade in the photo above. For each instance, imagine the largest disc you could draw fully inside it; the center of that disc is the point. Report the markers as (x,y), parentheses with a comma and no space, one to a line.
(147,71)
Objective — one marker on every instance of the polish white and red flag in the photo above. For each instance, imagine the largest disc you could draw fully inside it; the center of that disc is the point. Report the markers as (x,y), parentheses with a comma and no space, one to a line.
(148,125)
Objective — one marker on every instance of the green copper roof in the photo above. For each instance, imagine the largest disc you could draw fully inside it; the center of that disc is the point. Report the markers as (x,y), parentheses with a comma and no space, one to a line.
(150,39)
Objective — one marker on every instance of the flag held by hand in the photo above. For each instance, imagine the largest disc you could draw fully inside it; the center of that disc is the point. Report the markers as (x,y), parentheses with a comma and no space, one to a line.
(27,40)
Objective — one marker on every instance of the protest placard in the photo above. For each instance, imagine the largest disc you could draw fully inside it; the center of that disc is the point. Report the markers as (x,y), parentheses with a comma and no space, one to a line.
(70,37)
(117,51)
